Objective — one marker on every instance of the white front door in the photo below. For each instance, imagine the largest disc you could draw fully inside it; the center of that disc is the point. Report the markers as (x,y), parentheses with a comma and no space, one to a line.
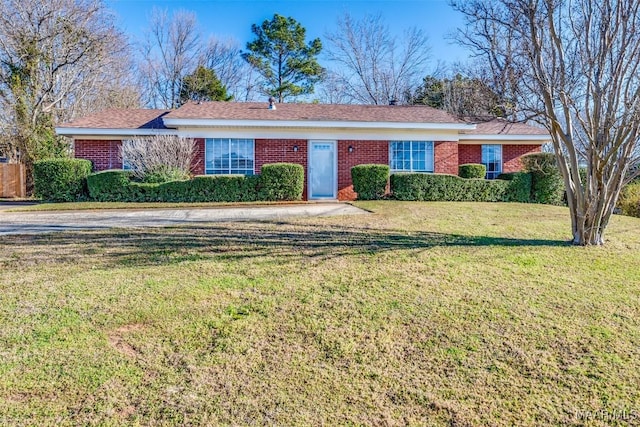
(322,170)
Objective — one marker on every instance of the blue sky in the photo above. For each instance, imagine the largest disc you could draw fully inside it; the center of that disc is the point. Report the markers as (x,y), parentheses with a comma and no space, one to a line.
(229,18)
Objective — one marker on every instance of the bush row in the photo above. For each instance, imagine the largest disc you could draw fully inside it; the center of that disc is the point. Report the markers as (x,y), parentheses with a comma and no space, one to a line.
(71,180)
(440,187)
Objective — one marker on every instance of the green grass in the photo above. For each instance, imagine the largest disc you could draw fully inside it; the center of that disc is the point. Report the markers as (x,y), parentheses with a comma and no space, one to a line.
(422,313)
(81,206)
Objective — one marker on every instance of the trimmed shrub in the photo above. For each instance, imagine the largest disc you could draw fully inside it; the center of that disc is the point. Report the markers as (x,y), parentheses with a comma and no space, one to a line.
(281,181)
(109,185)
(61,180)
(370,181)
(629,201)
(472,170)
(547,186)
(164,173)
(441,187)
(223,188)
(519,188)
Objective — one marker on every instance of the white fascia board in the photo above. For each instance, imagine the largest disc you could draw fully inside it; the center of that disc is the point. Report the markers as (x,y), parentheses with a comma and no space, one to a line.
(313,124)
(321,134)
(485,137)
(74,132)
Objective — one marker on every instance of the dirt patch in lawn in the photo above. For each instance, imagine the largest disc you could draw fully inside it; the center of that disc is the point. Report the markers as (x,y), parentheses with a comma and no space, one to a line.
(117,340)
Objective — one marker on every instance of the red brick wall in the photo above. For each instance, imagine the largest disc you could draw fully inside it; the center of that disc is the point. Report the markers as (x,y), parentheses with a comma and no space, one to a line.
(469,154)
(364,152)
(511,156)
(103,154)
(197,165)
(281,150)
(445,157)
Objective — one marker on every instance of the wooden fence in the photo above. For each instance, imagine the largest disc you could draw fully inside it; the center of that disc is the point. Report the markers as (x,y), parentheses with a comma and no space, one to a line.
(13,180)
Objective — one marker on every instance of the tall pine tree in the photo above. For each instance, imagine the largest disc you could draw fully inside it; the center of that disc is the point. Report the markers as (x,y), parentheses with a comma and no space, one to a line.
(288,65)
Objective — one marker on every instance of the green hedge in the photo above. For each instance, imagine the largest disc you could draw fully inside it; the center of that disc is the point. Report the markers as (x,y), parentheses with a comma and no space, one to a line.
(277,182)
(370,181)
(472,170)
(547,185)
(519,189)
(109,185)
(281,181)
(61,180)
(441,187)
(224,188)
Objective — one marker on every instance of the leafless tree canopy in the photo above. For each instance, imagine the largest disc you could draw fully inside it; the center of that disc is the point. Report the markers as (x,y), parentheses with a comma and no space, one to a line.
(58,59)
(170,51)
(374,66)
(145,155)
(224,56)
(574,64)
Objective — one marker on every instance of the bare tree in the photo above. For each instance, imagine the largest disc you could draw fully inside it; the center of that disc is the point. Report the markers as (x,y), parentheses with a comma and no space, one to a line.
(224,56)
(577,67)
(465,97)
(167,155)
(57,58)
(333,90)
(170,51)
(374,67)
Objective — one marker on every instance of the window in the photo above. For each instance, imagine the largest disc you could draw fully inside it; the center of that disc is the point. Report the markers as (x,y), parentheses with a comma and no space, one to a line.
(492,159)
(411,156)
(229,156)
(125,163)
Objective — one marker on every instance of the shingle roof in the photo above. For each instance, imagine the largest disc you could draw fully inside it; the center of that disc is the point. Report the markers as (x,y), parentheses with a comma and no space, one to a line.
(153,119)
(312,112)
(503,127)
(121,119)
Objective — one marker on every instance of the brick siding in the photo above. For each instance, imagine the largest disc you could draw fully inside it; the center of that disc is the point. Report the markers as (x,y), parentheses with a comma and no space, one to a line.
(197,165)
(282,150)
(364,152)
(469,154)
(511,154)
(445,157)
(103,154)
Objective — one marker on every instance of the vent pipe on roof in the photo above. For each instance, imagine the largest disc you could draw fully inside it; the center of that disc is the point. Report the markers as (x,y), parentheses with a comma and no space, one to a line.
(272,103)
(393,102)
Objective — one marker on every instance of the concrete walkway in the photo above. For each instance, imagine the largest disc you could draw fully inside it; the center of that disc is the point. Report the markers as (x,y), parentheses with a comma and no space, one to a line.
(46,222)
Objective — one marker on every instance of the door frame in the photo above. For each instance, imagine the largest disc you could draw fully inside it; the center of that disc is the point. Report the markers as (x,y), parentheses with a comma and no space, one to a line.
(310,143)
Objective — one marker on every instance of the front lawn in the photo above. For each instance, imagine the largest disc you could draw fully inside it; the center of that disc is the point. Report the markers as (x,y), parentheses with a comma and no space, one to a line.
(465,314)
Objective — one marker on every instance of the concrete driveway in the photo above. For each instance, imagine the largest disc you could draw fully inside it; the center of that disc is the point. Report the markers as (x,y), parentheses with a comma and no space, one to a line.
(46,222)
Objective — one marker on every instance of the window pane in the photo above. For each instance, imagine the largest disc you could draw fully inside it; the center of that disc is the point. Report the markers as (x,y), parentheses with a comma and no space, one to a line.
(229,156)
(492,159)
(411,156)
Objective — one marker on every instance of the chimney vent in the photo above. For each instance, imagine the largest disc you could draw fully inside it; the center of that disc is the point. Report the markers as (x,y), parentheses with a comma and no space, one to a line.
(272,103)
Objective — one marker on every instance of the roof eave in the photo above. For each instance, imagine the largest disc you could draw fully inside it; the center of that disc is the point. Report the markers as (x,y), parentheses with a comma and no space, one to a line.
(506,137)
(73,132)
(318,124)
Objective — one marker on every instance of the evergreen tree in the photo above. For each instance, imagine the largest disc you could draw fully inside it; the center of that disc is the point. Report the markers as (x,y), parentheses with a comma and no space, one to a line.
(203,85)
(279,53)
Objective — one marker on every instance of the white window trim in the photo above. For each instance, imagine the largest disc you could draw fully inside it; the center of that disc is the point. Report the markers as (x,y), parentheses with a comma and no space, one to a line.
(411,170)
(253,143)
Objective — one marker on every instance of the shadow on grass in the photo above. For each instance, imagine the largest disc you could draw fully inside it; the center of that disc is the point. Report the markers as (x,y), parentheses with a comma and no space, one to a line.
(235,241)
